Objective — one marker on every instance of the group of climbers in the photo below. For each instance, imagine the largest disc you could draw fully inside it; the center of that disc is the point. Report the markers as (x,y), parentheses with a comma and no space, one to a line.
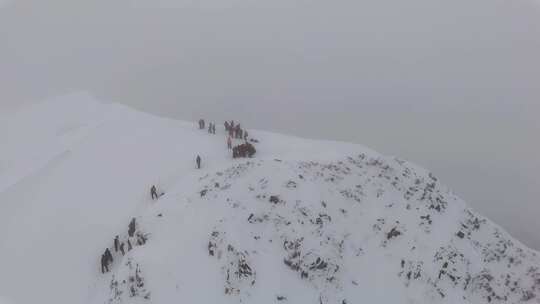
(107,258)
(245,149)
(212,128)
(134,238)
(234,131)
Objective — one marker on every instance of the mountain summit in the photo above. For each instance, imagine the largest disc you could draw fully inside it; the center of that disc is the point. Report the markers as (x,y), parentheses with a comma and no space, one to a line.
(301,222)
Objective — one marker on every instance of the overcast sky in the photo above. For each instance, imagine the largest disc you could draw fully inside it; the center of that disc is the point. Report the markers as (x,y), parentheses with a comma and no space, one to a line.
(452,85)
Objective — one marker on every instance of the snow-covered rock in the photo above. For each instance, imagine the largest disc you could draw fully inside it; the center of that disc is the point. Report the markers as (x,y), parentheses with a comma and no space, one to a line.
(303,222)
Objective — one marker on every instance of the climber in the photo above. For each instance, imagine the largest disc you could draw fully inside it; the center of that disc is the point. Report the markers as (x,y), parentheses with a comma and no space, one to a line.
(104,264)
(106,258)
(229,143)
(198,162)
(153,192)
(132,227)
(237,131)
(116,243)
(108,255)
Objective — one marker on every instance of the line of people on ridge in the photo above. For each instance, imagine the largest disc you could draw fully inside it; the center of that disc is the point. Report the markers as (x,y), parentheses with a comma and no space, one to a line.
(243,150)
(235,131)
(134,238)
(107,258)
(211,126)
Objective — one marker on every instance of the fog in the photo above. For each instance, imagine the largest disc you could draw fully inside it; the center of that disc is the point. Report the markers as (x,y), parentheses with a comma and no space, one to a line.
(450,85)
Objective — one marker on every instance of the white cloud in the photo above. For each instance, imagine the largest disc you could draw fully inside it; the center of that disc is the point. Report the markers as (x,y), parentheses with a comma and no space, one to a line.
(4,2)
(4,300)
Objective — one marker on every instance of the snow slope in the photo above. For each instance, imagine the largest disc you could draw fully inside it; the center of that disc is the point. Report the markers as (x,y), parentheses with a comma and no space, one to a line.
(303,222)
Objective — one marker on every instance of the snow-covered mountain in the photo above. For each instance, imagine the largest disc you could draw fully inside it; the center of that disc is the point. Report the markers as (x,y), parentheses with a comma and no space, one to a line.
(303,222)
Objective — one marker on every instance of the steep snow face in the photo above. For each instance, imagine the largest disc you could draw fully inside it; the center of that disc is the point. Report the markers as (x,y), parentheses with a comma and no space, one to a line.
(302,222)
(359,228)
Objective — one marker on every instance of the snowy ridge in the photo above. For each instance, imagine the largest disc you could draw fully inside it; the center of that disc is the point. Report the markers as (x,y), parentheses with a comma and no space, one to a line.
(303,222)
(283,231)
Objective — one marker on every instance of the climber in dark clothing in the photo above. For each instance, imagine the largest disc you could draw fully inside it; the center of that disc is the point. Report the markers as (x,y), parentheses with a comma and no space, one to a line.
(122,248)
(245,135)
(198,162)
(213,128)
(108,255)
(116,243)
(244,150)
(104,264)
(153,192)
(226,126)
(237,131)
(132,227)
(106,259)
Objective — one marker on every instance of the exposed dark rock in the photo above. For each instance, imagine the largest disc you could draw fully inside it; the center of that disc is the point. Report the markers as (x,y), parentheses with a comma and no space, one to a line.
(393,233)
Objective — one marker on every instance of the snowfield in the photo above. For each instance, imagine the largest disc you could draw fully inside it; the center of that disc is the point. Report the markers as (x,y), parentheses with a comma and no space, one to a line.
(302,222)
